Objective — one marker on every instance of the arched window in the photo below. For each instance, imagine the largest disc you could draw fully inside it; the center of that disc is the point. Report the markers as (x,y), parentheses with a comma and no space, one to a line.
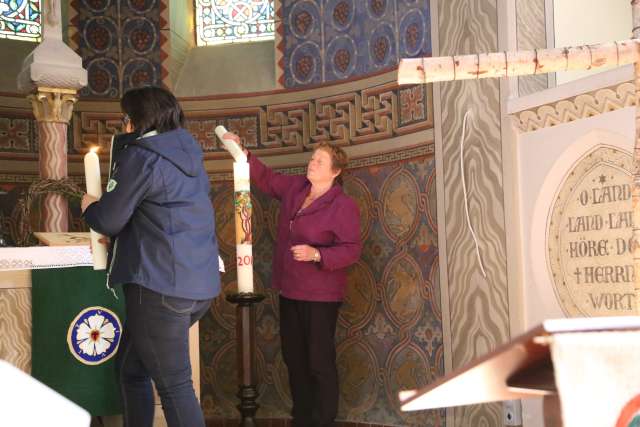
(227,21)
(20,20)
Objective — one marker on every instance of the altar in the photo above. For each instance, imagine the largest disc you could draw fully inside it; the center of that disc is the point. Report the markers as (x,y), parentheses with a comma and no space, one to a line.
(61,324)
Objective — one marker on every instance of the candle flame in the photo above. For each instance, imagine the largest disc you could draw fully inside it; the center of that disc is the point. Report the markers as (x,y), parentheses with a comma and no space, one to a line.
(94,149)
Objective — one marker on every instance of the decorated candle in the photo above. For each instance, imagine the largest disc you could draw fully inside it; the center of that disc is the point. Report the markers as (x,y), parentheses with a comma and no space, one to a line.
(242,209)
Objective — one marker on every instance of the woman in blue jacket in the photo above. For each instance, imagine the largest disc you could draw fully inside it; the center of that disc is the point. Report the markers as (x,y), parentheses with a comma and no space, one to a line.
(157,211)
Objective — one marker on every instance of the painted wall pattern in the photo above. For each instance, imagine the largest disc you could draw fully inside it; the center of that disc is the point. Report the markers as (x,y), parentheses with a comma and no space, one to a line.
(18,132)
(121,43)
(531,34)
(321,41)
(576,108)
(478,306)
(391,321)
(389,335)
(349,118)
(15,327)
(375,326)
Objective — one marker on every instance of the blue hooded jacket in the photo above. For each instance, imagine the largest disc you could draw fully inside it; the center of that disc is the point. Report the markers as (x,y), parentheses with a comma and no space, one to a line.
(159,216)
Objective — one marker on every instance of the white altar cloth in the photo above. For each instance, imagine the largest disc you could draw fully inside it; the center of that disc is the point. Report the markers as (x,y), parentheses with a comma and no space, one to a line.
(37,257)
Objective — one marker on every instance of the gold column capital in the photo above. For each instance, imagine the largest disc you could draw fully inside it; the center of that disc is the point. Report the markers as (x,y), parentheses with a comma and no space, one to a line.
(53,104)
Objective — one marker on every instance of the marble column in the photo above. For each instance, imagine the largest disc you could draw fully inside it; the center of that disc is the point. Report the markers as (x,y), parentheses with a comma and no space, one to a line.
(52,108)
(51,76)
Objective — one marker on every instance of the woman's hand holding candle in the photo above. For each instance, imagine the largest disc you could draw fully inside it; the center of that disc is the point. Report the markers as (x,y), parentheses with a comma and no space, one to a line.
(86,201)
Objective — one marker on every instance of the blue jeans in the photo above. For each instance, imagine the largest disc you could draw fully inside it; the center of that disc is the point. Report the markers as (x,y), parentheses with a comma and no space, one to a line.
(155,345)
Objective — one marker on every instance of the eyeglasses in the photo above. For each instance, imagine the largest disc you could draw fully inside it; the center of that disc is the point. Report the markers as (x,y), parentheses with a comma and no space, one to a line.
(125,120)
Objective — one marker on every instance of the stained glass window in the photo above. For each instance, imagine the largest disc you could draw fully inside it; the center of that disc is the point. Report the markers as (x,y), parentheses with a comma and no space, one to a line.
(226,21)
(20,20)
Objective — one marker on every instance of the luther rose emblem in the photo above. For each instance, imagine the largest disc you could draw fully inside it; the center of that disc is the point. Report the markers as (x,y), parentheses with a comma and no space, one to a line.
(94,335)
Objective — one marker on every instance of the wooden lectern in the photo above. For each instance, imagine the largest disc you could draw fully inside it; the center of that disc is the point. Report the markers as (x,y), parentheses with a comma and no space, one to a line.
(519,369)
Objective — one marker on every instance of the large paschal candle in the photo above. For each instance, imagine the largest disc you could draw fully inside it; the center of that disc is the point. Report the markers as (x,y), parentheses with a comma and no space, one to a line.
(242,209)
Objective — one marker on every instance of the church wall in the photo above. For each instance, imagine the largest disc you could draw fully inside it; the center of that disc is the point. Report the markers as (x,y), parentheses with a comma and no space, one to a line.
(12,53)
(562,135)
(230,69)
(591,28)
(122,44)
(152,42)
(531,33)
(390,329)
(404,320)
(180,37)
(390,334)
(15,321)
(476,320)
(547,24)
(321,41)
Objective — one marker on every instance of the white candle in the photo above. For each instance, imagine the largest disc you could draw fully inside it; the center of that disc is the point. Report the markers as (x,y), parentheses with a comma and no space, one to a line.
(244,245)
(94,188)
(242,208)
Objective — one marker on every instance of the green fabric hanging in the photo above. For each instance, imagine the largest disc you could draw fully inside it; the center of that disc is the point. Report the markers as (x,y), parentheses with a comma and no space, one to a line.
(77,326)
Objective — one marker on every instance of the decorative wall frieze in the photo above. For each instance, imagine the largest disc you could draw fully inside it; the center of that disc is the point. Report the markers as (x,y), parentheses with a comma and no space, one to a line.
(575,108)
(18,132)
(352,118)
(269,127)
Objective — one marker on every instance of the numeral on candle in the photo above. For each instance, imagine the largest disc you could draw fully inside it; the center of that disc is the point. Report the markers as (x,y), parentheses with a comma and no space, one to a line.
(245,260)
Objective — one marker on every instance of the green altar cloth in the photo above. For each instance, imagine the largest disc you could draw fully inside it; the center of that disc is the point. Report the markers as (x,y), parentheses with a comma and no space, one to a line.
(77,326)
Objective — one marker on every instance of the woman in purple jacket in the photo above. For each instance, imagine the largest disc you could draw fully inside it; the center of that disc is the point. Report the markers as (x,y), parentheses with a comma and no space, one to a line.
(318,238)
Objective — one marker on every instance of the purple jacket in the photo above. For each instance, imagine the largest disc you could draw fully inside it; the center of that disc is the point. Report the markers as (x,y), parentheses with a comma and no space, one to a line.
(330,223)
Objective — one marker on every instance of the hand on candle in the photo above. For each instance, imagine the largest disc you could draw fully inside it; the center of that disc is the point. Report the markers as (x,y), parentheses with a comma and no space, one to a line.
(103,240)
(305,253)
(86,201)
(236,139)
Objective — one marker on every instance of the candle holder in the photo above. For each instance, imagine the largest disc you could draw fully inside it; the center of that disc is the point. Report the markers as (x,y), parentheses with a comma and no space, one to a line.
(245,354)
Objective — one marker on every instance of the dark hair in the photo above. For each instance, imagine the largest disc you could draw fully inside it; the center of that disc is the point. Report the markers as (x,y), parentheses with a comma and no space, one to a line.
(152,108)
(339,158)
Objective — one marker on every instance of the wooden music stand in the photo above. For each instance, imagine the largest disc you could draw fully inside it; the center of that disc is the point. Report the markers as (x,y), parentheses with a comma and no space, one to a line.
(519,369)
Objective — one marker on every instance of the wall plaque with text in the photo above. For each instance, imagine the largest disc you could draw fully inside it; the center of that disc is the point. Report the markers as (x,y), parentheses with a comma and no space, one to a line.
(588,236)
